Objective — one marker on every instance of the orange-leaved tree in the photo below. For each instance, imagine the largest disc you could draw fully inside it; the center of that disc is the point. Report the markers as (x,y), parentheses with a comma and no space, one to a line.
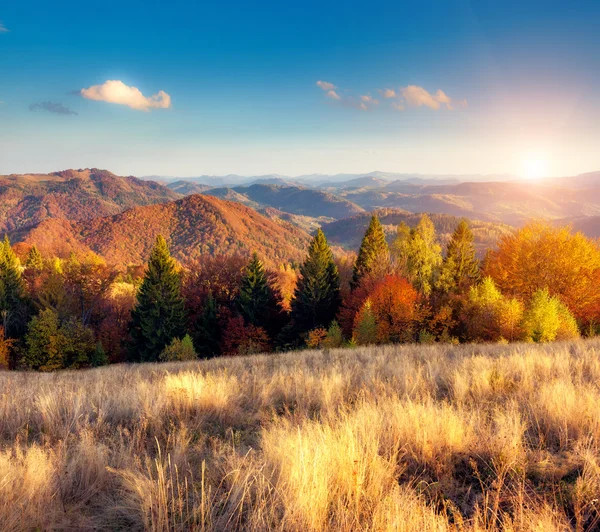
(540,256)
(395,305)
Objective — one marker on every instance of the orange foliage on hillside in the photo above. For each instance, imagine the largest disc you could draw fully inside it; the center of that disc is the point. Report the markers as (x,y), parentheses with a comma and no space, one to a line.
(194,226)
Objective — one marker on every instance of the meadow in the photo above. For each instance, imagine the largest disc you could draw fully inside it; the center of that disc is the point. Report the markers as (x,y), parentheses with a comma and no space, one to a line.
(413,437)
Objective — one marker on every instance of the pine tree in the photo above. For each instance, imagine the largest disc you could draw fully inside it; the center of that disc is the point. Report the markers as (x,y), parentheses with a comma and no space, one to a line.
(373,255)
(317,295)
(460,268)
(13,304)
(159,315)
(207,331)
(44,342)
(34,259)
(256,300)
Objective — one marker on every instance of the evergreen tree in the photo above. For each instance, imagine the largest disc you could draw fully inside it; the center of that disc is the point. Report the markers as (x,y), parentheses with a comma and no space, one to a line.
(159,315)
(13,303)
(365,326)
(317,295)
(44,342)
(256,300)
(34,259)
(460,268)
(373,255)
(207,330)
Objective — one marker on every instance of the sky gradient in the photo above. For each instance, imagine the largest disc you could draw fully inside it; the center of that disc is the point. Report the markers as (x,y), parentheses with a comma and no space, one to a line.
(216,88)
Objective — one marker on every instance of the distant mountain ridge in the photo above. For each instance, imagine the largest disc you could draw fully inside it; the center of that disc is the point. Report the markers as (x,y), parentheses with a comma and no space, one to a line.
(28,199)
(296,200)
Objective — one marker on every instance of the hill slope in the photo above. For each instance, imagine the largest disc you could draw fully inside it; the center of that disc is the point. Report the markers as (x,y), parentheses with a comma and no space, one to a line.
(414,438)
(28,199)
(193,226)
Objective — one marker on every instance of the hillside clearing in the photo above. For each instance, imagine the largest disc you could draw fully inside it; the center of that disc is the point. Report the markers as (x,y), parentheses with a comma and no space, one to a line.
(473,437)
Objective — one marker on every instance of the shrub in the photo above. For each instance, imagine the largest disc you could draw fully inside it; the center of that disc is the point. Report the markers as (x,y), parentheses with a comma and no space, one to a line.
(178,350)
(242,339)
(334,337)
(316,338)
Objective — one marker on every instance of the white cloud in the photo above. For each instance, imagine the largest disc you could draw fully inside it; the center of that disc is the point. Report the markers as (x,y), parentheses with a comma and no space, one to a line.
(416,96)
(325,85)
(398,106)
(115,91)
(333,95)
(388,93)
(3,28)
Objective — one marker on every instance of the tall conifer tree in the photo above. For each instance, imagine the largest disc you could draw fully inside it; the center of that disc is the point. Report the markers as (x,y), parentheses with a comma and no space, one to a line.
(256,300)
(34,259)
(159,315)
(13,304)
(207,331)
(317,295)
(373,255)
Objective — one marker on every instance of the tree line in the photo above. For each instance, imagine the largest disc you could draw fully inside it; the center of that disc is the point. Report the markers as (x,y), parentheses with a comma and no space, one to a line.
(540,284)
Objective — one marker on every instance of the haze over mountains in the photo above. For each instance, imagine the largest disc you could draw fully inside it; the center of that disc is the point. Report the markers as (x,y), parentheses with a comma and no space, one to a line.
(119,217)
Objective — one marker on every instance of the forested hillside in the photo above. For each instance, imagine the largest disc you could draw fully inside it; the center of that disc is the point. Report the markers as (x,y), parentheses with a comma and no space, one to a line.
(27,200)
(195,225)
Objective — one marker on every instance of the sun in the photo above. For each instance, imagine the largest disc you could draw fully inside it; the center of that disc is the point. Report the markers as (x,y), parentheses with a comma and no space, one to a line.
(533,167)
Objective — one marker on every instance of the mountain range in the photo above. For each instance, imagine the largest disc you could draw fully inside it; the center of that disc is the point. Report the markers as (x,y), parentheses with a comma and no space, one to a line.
(119,217)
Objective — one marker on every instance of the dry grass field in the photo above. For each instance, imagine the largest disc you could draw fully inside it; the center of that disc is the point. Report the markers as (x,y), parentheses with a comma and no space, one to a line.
(384,438)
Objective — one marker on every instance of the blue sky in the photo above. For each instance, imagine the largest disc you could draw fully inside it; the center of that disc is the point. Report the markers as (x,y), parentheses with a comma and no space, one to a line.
(518,80)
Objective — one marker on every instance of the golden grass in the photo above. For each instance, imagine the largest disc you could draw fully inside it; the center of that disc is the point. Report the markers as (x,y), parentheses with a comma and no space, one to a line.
(433,438)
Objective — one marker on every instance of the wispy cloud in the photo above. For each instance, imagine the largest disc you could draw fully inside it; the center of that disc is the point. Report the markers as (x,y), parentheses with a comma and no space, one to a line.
(51,107)
(115,91)
(369,100)
(399,99)
(3,28)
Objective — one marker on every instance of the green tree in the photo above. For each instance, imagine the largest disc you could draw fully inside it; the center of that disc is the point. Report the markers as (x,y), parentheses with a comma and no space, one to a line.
(400,247)
(317,295)
(13,302)
(43,340)
(207,329)
(51,345)
(365,326)
(420,254)
(460,268)
(256,300)
(373,255)
(159,315)
(34,259)
(78,346)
